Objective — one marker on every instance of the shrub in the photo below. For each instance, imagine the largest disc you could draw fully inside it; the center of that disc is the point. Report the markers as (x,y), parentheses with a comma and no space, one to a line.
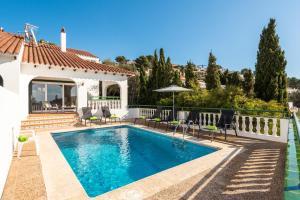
(230,97)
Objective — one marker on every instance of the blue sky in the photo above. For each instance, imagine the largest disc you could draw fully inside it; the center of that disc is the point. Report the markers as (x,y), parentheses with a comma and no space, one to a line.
(187,30)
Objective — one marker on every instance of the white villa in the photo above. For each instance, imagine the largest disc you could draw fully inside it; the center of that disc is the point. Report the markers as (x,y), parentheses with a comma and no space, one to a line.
(68,78)
(33,75)
(42,84)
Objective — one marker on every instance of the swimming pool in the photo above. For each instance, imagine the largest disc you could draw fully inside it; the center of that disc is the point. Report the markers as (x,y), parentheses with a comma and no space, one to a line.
(104,159)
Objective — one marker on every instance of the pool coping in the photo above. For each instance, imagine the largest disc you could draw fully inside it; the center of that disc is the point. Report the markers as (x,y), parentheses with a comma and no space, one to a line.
(62,183)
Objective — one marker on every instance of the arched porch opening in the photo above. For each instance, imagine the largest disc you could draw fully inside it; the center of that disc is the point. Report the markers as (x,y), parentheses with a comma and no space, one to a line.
(113,91)
(110,95)
(52,95)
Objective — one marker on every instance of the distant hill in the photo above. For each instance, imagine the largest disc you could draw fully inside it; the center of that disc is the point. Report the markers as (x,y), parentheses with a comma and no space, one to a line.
(294,83)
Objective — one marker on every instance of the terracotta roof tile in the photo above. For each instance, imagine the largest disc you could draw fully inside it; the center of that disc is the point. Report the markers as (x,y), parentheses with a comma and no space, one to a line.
(46,54)
(81,52)
(10,43)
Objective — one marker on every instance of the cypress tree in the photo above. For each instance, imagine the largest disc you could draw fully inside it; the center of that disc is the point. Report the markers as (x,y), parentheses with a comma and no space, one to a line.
(161,69)
(224,77)
(153,80)
(212,78)
(176,78)
(282,87)
(248,83)
(190,76)
(234,79)
(168,73)
(270,80)
(142,63)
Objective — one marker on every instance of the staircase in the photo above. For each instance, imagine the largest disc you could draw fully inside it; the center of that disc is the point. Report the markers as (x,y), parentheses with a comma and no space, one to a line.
(49,121)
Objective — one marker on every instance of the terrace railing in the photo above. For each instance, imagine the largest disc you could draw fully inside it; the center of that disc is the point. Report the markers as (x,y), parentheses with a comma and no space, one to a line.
(260,124)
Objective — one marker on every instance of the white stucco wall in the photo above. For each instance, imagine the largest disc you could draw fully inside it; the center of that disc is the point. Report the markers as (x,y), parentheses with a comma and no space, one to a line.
(10,71)
(85,81)
(9,128)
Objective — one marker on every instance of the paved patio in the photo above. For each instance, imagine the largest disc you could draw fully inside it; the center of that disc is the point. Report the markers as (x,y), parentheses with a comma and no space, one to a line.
(256,173)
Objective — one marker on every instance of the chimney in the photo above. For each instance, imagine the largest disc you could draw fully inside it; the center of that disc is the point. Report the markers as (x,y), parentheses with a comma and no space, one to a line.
(63,40)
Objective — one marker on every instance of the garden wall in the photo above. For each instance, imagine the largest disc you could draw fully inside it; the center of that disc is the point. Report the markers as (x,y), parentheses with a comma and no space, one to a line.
(9,128)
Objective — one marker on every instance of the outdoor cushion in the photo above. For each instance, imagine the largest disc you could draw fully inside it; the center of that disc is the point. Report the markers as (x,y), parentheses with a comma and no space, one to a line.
(93,118)
(113,116)
(174,122)
(142,117)
(211,128)
(22,138)
(157,119)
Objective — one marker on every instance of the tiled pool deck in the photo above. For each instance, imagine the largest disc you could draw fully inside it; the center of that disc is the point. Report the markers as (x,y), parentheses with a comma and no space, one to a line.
(247,169)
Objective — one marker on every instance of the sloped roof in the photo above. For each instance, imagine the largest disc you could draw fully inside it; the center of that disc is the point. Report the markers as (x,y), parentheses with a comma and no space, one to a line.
(10,43)
(46,54)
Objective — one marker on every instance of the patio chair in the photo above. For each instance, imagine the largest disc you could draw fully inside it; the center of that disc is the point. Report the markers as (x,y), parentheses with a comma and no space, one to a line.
(191,120)
(27,136)
(88,116)
(142,117)
(155,117)
(172,120)
(48,106)
(224,123)
(107,114)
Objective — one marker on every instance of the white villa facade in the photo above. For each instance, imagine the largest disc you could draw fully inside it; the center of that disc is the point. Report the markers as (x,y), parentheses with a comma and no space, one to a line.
(34,73)
(68,78)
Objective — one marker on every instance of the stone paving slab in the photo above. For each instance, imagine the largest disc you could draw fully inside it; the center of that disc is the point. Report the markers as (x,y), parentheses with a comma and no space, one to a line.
(257,173)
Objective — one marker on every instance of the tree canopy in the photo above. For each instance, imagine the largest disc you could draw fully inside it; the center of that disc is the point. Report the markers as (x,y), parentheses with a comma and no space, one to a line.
(121,60)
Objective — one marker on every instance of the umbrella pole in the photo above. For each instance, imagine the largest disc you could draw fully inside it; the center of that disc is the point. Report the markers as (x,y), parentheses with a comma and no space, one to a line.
(173,108)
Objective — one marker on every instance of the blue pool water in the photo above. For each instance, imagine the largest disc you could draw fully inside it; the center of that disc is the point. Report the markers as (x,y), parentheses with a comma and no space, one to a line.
(107,158)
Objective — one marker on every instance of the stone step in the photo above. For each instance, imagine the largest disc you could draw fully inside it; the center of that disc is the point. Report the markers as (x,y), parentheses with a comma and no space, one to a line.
(49,120)
(43,120)
(50,116)
(47,125)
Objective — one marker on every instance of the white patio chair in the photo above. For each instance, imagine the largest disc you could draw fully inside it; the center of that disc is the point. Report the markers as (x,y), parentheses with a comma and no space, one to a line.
(32,138)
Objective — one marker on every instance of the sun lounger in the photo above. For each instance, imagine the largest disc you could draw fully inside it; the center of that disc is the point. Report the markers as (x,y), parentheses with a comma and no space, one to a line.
(225,122)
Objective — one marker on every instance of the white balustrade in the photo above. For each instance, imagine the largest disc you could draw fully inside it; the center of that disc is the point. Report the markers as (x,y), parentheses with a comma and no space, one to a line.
(213,119)
(274,130)
(209,118)
(257,127)
(250,125)
(244,123)
(204,119)
(97,104)
(266,126)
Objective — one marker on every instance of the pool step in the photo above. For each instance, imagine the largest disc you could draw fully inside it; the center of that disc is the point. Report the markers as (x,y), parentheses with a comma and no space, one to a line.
(46,121)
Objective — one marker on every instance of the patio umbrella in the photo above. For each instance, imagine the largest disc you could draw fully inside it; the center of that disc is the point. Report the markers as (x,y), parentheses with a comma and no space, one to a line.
(173,89)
